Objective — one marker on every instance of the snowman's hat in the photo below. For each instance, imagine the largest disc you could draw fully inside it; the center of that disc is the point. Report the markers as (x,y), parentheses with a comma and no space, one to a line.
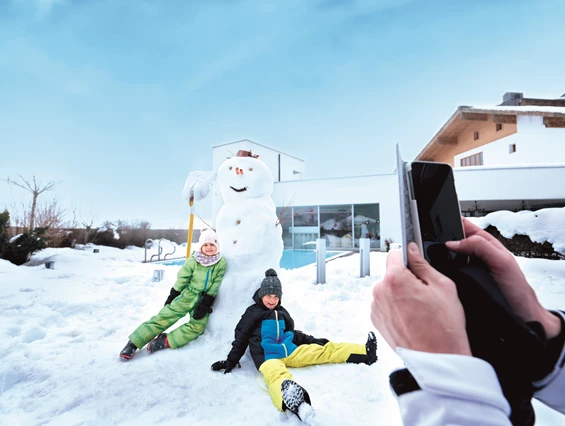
(244,153)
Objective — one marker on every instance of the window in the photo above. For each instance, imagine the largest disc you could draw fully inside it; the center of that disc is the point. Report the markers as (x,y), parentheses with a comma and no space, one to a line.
(498,127)
(475,135)
(511,148)
(472,160)
(336,225)
(366,224)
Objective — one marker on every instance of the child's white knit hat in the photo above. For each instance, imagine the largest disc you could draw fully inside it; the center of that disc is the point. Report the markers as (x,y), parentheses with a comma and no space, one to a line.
(209,236)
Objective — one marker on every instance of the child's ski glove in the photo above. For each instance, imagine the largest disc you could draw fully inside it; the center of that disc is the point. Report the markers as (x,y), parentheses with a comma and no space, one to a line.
(203,307)
(226,365)
(172,296)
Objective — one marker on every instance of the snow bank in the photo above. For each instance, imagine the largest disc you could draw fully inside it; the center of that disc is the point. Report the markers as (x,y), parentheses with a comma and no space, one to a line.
(541,225)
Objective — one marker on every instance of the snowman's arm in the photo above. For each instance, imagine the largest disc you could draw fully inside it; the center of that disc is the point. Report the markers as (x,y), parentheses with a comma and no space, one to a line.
(185,274)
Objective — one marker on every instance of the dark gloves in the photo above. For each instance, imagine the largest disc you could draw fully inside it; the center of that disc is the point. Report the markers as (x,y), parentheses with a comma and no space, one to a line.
(172,296)
(203,307)
(226,365)
(301,338)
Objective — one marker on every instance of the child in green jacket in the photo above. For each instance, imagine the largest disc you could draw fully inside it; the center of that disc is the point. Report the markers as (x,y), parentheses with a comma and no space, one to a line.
(194,292)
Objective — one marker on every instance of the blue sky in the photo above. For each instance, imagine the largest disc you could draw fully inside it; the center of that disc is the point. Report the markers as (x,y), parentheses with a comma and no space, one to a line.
(118,100)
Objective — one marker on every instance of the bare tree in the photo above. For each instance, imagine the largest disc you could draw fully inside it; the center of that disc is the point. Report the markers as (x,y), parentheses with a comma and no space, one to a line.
(50,216)
(87,227)
(19,219)
(36,188)
(284,214)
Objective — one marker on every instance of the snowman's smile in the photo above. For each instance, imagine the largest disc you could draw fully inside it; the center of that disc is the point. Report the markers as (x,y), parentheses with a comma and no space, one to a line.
(239,189)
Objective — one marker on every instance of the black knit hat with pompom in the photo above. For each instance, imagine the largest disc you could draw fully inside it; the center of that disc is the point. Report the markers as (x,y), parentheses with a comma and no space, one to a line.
(271,284)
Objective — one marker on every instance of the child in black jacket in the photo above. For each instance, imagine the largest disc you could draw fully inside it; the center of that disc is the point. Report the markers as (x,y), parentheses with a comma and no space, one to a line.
(268,329)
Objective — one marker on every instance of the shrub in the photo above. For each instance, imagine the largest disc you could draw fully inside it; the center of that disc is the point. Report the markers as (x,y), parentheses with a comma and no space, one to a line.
(4,225)
(19,250)
(522,245)
(105,237)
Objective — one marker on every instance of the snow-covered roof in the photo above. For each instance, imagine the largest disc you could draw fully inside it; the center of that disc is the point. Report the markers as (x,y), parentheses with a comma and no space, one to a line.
(553,111)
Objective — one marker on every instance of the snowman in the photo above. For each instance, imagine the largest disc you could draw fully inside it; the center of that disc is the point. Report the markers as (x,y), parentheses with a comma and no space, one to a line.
(250,236)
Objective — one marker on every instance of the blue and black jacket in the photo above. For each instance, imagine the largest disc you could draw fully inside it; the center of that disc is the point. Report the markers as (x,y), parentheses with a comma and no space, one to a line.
(269,333)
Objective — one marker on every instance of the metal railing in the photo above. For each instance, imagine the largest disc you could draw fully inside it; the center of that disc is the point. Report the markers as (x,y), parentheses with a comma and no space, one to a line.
(159,250)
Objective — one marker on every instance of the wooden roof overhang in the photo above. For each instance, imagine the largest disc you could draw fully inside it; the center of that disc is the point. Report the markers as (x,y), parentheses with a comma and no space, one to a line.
(464,116)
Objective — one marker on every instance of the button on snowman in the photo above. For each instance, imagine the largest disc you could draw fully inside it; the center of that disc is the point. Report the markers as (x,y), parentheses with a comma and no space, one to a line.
(249,233)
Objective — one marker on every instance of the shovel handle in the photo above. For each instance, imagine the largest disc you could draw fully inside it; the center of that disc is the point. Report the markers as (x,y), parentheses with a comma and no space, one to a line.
(189,238)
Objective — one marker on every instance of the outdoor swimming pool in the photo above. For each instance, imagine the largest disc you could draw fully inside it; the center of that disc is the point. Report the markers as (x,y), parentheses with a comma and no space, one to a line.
(291,259)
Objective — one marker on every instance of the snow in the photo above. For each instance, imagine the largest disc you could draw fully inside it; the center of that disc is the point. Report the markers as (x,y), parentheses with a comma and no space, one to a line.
(518,109)
(63,328)
(13,239)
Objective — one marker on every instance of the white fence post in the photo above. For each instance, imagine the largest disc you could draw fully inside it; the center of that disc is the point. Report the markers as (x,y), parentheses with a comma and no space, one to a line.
(320,261)
(158,275)
(364,255)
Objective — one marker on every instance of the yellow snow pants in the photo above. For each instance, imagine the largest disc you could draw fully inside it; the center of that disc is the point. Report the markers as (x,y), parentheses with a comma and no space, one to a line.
(275,370)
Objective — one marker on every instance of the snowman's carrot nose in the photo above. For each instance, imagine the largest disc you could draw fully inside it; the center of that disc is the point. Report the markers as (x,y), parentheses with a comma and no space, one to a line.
(238,171)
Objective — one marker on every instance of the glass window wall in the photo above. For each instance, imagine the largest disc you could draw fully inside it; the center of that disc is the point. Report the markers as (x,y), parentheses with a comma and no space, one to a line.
(335,226)
(305,227)
(340,225)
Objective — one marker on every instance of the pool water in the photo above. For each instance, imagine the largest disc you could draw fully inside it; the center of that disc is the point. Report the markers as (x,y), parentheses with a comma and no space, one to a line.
(291,259)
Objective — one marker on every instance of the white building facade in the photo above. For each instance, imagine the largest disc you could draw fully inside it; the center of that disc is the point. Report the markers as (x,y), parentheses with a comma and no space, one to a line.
(533,143)
(518,163)
(341,210)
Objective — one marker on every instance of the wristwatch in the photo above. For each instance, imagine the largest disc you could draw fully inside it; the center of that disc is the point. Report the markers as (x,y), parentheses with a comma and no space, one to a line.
(402,382)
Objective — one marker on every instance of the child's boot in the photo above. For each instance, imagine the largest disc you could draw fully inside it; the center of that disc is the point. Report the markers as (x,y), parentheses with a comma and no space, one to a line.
(128,350)
(371,349)
(371,346)
(158,343)
(296,399)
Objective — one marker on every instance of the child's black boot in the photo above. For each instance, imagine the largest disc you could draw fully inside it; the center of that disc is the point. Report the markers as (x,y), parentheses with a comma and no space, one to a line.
(296,399)
(128,351)
(371,349)
(158,343)
(371,346)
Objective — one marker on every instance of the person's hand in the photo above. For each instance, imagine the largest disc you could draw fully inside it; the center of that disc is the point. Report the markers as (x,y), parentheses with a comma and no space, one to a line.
(226,365)
(506,272)
(418,308)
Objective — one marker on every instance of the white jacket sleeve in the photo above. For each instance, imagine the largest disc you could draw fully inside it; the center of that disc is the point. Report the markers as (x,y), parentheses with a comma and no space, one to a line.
(552,387)
(455,390)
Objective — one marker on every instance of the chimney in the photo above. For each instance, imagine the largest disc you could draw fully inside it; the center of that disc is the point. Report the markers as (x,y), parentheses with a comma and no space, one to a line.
(512,98)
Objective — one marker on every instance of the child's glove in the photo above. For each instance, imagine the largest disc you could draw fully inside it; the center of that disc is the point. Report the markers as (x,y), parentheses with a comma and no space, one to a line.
(204,306)
(172,296)
(226,365)
(321,341)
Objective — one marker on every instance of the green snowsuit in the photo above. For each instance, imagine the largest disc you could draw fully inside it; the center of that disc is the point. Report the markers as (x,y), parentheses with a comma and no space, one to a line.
(192,280)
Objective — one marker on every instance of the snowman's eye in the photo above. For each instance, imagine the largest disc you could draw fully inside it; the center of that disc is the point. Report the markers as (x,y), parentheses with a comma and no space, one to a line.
(231,167)
(250,169)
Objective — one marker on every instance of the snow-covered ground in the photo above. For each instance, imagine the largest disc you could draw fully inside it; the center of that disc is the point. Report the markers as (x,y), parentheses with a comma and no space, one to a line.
(62,329)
